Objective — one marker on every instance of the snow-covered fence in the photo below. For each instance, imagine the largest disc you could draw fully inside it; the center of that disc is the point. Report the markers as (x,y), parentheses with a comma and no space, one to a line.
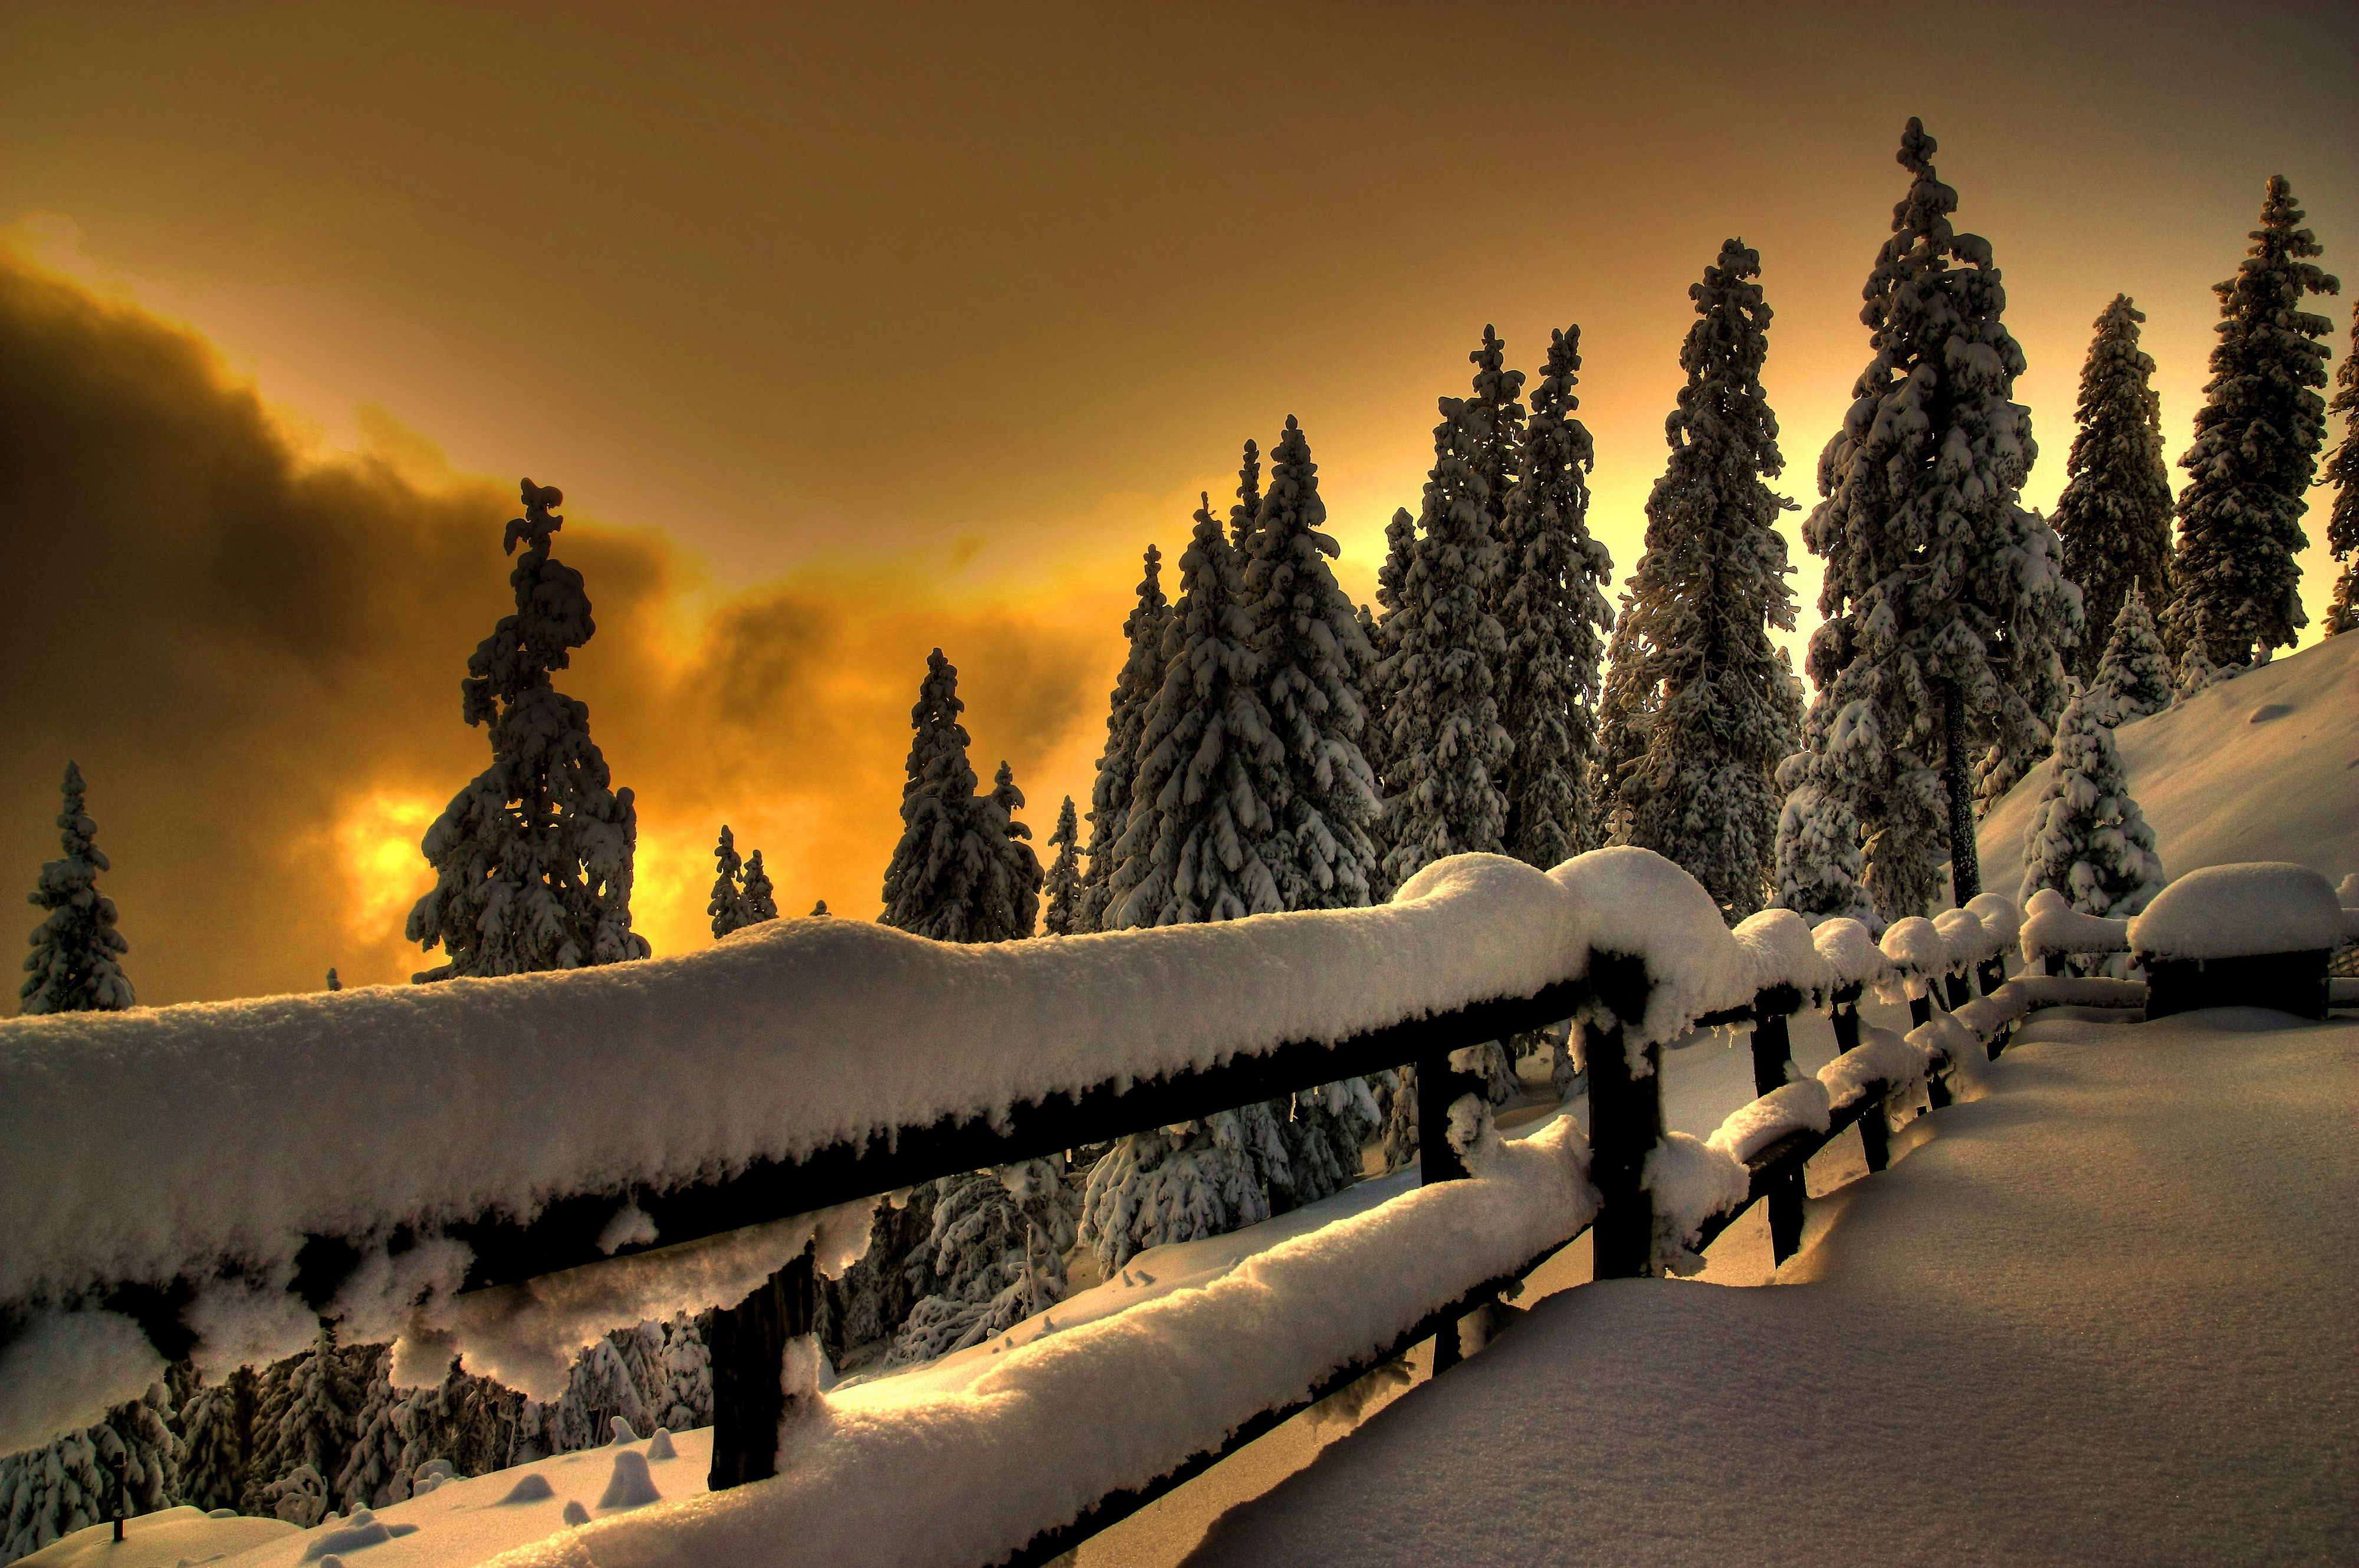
(505,1169)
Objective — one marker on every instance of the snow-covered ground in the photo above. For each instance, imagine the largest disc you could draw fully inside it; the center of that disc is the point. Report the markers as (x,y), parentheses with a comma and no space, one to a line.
(2265,766)
(2100,1316)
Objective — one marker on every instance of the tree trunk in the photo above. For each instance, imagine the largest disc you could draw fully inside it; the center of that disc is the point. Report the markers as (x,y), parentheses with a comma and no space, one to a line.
(1965,864)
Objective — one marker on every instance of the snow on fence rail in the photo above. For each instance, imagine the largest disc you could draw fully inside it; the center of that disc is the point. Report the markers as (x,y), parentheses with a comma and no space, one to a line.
(507,1169)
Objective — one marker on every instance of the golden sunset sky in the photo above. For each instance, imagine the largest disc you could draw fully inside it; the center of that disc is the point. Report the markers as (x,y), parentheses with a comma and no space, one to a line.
(849,332)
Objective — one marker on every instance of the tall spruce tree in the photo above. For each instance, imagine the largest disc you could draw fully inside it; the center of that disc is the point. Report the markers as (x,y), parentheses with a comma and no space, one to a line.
(2257,438)
(1938,666)
(1312,658)
(532,859)
(2113,516)
(1704,792)
(2134,670)
(1061,892)
(1446,748)
(1625,715)
(1133,691)
(961,871)
(1199,828)
(1377,685)
(72,968)
(2342,472)
(69,1484)
(1552,609)
(758,899)
(727,905)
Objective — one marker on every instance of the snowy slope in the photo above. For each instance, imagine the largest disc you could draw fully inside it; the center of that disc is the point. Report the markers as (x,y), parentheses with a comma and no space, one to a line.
(2265,766)
(2103,1316)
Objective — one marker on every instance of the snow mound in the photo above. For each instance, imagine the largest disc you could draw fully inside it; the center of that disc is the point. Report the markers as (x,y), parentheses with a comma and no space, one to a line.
(1999,916)
(2239,912)
(1917,953)
(162,1540)
(1691,1182)
(1778,951)
(2218,789)
(1850,954)
(1881,1057)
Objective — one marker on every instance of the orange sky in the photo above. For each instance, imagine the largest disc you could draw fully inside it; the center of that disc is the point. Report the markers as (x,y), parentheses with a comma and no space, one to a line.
(848,333)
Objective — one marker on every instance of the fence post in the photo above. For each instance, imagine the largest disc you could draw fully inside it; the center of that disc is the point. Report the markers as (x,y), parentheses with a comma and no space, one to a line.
(1955,984)
(1875,1137)
(1625,1122)
(749,1353)
(1773,1055)
(1439,1084)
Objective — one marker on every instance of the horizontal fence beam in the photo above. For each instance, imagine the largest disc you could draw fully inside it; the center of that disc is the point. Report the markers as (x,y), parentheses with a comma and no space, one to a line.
(565,1234)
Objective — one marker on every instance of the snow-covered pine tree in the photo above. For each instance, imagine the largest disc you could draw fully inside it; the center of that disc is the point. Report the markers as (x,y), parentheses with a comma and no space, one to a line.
(2257,438)
(53,1491)
(1193,848)
(372,1476)
(533,859)
(1244,513)
(1312,658)
(1626,714)
(1007,896)
(2134,670)
(958,874)
(1819,867)
(334,983)
(1938,665)
(1446,748)
(1712,584)
(1376,685)
(1133,691)
(1200,826)
(2114,515)
(305,1424)
(2197,673)
(998,1249)
(2342,472)
(757,899)
(216,1432)
(72,968)
(727,905)
(1061,891)
(1552,609)
(2087,838)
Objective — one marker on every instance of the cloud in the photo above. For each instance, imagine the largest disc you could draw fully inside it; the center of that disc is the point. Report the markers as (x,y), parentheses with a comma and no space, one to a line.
(254,650)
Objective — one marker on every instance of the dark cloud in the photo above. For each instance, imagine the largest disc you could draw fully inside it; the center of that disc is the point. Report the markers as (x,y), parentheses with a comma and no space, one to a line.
(254,655)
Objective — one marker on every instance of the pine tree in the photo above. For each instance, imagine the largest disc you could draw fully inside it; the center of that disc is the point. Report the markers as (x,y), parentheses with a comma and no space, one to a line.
(727,905)
(2114,515)
(1625,717)
(1007,903)
(819,909)
(1307,645)
(1448,750)
(334,983)
(1819,867)
(1172,1184)
(2342,472)
(998,1249)
(2257,438)
(758,899)
(69,1485)
(303,1432)
(1133,691)
(2197,673)
(1377,686)
(2135,671)
(533,859)
(72,967)
(960,872)
(1193,848)
(1552,610)
(216,1432)
(1938,666)
(1062,889)
(1244,513)
(2087,838)
(1704,791)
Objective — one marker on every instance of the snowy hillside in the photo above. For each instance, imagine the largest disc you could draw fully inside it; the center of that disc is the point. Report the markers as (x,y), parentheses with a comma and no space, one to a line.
(2265,766)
